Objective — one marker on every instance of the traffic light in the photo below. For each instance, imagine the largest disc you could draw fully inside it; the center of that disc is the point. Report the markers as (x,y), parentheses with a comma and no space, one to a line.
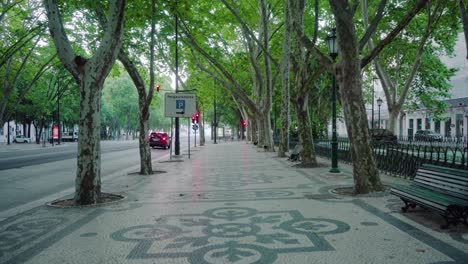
(158,87)
(197,118)
(193,119)
(243,123)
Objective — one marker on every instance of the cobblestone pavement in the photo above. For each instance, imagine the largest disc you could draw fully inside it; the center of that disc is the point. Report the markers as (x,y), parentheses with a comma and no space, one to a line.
(231,203)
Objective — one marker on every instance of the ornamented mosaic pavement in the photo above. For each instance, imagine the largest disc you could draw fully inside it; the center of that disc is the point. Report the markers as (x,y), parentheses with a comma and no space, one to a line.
(21,233)
(230,181)
(230,235)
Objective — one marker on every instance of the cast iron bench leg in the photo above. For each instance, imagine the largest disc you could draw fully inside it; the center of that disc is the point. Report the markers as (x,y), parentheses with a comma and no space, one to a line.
(453,215)
(408,204)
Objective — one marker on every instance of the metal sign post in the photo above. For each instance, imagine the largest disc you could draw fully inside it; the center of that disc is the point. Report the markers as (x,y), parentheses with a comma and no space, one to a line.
(172,134)
(180,105)
(188,128)
(195,128)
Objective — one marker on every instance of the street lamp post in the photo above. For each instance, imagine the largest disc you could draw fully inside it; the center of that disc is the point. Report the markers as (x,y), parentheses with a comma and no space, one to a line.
(177,124)
(333,50)
(8,132)
(373,97)
(215,122)
(59,140)
(379,103)
(466,139)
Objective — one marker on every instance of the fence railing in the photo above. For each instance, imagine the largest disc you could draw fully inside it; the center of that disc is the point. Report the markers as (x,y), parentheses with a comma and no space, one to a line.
(444,141)
(402,160)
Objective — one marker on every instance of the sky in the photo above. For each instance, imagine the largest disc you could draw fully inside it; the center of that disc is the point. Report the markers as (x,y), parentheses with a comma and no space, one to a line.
(460,80)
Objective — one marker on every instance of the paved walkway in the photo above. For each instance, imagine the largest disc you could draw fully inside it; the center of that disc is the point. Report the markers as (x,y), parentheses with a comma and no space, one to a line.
(231,203)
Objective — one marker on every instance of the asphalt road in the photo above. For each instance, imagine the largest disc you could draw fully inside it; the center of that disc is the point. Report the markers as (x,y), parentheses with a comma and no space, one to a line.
(34,156)
(30,174)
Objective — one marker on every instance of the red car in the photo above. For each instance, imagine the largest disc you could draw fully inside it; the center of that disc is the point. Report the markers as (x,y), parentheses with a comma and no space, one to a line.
(159,139)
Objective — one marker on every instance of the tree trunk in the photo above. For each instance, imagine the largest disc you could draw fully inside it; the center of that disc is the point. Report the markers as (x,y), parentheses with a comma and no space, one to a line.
(262,130)
(268,133)
(305,133)
(88,178)
(267,97)
(285,111)
(392,118)
(464,19)
(300,68)
(265,139)
(365,172)
(145,150)
(253,131)
(90,75)
(201,128)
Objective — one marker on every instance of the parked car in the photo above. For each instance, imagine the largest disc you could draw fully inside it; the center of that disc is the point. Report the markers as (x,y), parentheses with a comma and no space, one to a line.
(70,136)
(383,136)
(21,139)
(427,135)
(159,139)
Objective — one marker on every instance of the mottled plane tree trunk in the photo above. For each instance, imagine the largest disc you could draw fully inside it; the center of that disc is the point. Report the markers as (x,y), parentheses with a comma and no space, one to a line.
(201,125)
(301,85)
(90,75)
(144,97)
(348,73)
(464,18)
(285,110)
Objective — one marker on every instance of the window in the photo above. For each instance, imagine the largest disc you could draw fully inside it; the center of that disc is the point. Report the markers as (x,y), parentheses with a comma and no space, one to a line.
(459,125)
(428,123)
(448,129)
(437,126)
(419,123)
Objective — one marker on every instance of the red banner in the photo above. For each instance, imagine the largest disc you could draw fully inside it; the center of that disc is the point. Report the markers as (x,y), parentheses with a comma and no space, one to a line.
(55,132)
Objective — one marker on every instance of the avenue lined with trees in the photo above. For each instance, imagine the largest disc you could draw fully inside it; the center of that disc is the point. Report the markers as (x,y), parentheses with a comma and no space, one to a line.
(265,62)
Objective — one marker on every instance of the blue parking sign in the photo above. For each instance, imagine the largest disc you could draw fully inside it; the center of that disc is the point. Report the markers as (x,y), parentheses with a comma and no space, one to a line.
(180,104)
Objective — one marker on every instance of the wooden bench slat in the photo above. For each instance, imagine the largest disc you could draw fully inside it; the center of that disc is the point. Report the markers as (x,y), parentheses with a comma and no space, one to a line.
(462,175)
(450,171)
(420,200)
(443,188)
(463,181)
(428,194)
(441,185)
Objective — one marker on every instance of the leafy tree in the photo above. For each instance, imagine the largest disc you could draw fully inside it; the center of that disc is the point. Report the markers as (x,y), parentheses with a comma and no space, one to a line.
(90,75)
(402,73)
(23,58)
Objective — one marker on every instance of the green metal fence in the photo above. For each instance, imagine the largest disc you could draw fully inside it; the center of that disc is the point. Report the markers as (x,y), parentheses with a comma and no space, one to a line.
(401,160)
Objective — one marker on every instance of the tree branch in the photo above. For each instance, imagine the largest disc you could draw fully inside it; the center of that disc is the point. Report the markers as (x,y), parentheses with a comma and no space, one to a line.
(405,21)
(464,19)
(65,51)
(236,88)
(324,60)
(111,41)
(316,22)
(244,25)
(371,29)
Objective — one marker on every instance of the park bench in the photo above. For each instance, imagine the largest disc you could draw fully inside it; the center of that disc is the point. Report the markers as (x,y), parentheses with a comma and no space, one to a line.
(441,189)
(296,153)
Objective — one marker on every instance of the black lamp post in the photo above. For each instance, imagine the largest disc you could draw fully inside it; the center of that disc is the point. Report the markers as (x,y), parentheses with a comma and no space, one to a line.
(8,132)
(177,123)
(215,122)
(379,103)
(373,97)
(466,139)
(333,50)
